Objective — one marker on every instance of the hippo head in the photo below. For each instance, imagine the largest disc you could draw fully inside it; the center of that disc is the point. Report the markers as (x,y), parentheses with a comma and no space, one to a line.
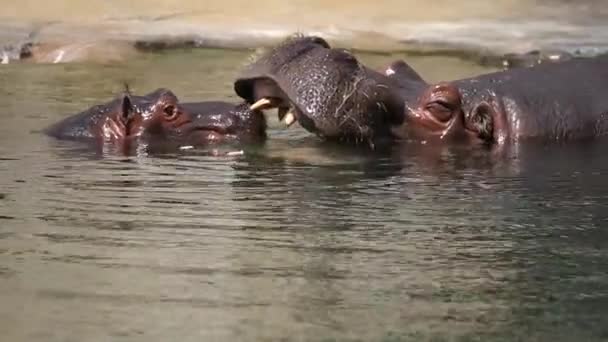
(330,93)
(155,116)
(326,90)
(159,118)
(130,116)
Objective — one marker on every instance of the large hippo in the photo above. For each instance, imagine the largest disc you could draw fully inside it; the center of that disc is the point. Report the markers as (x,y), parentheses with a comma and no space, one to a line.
(329,92)
(159,117)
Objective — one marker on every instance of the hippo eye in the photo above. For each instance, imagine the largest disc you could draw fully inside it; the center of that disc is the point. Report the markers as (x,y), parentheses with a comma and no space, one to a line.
(170,112)
(441,110)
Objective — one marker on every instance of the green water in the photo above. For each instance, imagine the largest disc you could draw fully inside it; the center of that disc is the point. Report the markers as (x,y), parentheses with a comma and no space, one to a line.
(293,240)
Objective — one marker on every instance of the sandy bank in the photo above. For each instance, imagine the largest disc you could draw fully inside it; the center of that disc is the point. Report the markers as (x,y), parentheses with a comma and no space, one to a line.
(500,26)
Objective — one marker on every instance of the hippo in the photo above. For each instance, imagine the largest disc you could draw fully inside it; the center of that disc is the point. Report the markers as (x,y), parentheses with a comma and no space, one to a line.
(332,94)
(159,117)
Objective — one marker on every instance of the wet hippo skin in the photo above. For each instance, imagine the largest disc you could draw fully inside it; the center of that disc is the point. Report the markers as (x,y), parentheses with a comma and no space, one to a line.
(331,93)
(160,117)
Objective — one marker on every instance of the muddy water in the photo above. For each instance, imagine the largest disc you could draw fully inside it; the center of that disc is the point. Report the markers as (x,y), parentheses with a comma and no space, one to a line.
(292,240)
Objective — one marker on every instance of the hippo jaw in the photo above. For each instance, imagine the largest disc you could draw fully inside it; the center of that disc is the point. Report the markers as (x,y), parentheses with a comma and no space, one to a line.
(228,123)
(326,90)
(269,95)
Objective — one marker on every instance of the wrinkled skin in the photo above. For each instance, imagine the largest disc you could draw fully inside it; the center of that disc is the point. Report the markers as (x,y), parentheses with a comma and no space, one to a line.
(158,117)
(330,93)
(320,87)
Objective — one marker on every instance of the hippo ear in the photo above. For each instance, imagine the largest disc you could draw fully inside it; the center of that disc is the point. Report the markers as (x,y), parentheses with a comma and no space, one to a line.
(402,72)
(126,107)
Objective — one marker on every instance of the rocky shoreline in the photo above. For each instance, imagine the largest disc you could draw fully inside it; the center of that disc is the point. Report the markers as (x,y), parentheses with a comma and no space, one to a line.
(114,40)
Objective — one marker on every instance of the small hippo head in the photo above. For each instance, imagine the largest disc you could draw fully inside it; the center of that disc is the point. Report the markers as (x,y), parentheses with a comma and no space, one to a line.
(222,122)
(326,90)
(154,115)
(160,118)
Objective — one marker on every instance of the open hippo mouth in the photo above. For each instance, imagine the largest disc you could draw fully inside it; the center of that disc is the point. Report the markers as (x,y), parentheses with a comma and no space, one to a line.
(267,84)
(326,90)
(288,111)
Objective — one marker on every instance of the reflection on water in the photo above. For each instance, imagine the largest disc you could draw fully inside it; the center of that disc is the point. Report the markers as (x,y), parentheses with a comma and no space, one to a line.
(294,239)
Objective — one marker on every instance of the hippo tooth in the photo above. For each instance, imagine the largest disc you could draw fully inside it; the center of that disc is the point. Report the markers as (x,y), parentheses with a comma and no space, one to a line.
(289,119)
(59,56)
(263,102)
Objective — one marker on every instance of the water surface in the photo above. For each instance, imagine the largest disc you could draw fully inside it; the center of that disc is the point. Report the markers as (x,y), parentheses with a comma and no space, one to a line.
(293,240)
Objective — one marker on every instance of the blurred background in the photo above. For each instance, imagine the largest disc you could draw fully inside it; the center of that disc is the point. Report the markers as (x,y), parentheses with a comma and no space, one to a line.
(499,26)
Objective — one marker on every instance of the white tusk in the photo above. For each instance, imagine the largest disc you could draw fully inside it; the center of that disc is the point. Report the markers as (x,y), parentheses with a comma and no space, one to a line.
(289,119)
(235,153)
(59,56)
(260,103)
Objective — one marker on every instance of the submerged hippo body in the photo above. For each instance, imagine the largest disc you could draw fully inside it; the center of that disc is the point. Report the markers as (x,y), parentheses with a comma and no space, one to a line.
(329,92)
(158,117)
